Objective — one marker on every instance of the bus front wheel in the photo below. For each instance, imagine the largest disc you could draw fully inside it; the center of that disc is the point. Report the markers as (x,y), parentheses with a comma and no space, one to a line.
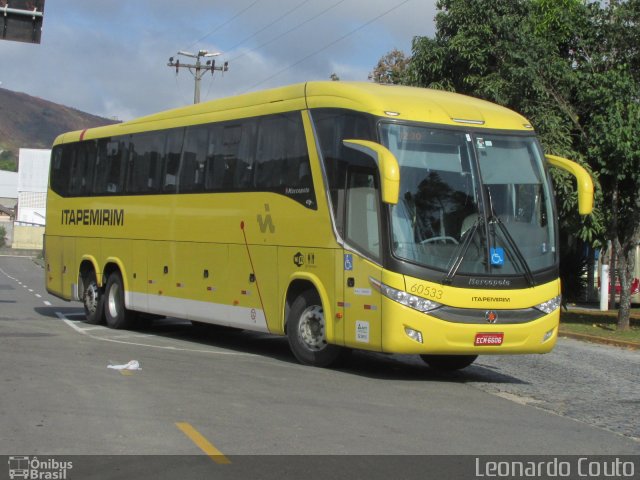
(306,332)
(448,363)
(116,314)
(92,300)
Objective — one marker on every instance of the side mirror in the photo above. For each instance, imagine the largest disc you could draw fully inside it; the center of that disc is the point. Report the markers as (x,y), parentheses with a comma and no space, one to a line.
(387,166)
(585,183)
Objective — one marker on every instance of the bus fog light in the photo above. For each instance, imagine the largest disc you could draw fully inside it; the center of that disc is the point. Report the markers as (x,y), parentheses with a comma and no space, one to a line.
(548,335)
(413,334)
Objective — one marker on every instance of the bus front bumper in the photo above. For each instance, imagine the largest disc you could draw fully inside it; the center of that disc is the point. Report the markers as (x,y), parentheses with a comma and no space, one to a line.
(407,331)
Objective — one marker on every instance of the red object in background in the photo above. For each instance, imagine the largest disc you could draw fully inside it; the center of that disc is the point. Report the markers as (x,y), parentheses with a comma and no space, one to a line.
(635,286)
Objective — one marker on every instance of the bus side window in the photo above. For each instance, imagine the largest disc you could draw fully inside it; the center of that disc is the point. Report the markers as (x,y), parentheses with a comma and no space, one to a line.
(231,135)
(233,157)
(76,168)
(82,168)
(363,212)
(111,165)
(216,166)
(282,159)
(194,159)
(175,139)
(244,157)
(332,127)
(271,153)
(60,167)
(145,162)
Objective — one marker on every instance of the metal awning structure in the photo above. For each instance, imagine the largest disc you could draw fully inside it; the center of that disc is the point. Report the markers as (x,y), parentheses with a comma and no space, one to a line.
(21,20)
(7,211)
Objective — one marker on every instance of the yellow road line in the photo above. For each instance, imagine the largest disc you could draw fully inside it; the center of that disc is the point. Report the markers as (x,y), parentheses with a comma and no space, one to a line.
(205,445)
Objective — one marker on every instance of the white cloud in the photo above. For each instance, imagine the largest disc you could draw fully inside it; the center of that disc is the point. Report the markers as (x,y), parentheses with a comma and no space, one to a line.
(109,58)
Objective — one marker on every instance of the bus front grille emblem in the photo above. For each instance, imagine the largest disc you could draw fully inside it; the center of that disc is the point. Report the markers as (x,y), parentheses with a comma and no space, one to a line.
(491,316)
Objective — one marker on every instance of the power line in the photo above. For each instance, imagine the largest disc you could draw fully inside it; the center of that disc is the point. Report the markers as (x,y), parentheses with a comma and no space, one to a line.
(287,13)
(329,44)
(289,31)
(223,24)
(270,24)
(198,69)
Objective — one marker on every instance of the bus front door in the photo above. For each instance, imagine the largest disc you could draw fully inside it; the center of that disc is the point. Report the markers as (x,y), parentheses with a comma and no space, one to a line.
(362,303)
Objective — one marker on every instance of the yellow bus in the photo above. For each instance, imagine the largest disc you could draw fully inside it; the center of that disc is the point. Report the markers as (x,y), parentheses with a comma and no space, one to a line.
(343,215)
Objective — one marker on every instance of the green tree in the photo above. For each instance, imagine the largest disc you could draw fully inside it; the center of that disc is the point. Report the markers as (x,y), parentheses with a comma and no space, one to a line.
(8,161)
(569,66)
(607,63)
(391,68)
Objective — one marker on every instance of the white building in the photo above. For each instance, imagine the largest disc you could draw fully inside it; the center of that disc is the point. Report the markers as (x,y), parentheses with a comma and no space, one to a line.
(8,188)
(8,200)
(33,176)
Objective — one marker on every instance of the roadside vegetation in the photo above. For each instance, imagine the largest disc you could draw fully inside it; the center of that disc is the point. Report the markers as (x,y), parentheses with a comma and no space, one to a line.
(600,324)
(8,161)
(572,67)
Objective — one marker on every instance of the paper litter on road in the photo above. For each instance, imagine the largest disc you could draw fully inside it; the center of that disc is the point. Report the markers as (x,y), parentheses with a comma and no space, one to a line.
(132,365)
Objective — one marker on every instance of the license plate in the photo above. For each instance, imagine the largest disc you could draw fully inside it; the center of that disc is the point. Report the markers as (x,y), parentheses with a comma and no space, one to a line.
(488,339)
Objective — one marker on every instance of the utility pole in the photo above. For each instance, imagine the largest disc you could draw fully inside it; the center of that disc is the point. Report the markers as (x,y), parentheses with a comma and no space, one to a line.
(198,70)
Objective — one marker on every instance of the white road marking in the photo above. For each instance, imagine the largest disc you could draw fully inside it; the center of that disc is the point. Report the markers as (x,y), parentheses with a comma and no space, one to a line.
(48,304)
(84,331)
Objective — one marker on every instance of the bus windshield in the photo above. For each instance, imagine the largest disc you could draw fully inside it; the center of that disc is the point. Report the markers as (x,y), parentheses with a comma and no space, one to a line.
(470,203)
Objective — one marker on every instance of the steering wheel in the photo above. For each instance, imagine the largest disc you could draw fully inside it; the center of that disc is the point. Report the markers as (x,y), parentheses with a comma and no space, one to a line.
(441,238)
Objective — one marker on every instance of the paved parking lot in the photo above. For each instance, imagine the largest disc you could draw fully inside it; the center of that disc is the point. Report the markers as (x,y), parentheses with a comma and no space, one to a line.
(243,393)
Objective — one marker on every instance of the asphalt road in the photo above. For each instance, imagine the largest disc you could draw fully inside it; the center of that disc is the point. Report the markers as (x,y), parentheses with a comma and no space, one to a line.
(243,394)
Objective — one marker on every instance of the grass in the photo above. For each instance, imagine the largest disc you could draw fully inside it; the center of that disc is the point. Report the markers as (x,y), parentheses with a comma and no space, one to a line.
(600,324)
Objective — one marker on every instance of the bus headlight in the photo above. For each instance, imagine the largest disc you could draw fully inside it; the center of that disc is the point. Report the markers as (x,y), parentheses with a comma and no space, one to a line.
(404,298)
(550,305)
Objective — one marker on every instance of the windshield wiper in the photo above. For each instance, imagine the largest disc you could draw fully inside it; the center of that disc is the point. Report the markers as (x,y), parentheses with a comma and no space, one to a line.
(461,251)
(513,247)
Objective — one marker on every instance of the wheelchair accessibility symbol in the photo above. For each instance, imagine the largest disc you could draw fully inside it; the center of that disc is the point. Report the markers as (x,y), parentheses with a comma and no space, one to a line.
(497,256)
(348,261)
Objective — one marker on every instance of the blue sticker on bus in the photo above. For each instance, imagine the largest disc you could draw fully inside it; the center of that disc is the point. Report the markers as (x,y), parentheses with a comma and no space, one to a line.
(348,261)
(497,256)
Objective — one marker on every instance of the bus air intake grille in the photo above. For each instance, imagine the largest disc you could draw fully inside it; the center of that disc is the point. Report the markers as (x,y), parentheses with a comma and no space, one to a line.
(479,316)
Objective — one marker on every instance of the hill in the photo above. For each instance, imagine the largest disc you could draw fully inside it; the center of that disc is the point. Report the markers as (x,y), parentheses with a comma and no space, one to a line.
(31,122)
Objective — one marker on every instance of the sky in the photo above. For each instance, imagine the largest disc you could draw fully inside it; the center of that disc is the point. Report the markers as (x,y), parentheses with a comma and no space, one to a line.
(109,57)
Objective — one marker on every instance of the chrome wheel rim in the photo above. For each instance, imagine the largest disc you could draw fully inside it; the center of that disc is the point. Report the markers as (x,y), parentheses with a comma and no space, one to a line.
(311,328)
(113,300)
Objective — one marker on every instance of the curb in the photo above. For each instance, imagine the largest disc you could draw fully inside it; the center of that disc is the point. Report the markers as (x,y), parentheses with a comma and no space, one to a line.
(600,340)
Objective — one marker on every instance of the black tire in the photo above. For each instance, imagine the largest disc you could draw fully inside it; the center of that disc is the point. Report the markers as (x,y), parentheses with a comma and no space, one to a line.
(92,299)
(448,363)
(305,331)
(115,313)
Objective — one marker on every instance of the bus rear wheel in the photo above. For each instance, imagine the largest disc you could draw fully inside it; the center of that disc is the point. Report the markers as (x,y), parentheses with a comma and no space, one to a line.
(306,332)
(116,314)
(448,363)
(92,299)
